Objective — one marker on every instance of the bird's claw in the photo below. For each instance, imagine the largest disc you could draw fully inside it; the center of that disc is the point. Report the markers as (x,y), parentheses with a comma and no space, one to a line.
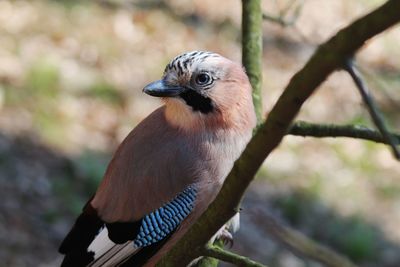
(226,237)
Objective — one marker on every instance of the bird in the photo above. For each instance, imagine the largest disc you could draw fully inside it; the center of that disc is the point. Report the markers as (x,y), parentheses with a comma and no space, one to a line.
(169,168)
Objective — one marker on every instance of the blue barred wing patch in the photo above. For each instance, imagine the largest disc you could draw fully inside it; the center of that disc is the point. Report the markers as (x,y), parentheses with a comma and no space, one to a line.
(163,221)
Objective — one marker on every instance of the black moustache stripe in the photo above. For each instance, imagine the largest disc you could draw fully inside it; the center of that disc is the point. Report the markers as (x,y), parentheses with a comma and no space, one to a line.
(197,101)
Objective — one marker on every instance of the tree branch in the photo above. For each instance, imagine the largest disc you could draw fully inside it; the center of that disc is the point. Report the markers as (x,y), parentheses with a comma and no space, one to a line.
(376,116)
(252,49)
(227,256)
(252,61)
(304,129)
(208,261)
(328,57)
(299,243)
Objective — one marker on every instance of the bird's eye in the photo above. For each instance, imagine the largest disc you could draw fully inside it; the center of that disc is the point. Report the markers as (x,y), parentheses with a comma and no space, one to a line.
(203,79)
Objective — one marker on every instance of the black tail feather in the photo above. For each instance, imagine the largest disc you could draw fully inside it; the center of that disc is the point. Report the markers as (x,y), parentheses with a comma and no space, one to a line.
(79,238)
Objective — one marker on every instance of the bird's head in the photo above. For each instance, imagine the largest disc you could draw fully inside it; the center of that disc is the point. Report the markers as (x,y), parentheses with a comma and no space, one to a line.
(204,89)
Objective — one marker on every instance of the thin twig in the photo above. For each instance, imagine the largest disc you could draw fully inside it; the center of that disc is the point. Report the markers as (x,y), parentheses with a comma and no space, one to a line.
(227,256)
(382,84)
(287,8)
(277,19)
(299,243)
(301,128)
(370,103)
(281,19)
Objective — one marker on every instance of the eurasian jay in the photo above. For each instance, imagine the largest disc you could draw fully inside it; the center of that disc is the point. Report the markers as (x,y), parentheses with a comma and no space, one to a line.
(169,168)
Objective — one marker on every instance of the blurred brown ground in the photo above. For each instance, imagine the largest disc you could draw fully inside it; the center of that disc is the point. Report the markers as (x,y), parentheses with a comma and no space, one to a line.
(71,74)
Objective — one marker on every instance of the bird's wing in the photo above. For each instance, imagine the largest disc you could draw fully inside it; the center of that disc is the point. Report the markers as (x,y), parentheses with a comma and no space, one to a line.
(110,246)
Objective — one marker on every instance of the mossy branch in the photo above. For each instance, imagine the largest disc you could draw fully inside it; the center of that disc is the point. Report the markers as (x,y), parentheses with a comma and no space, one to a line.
(227,256)
(252,50)
(326,59)
(208,261)
(305,129)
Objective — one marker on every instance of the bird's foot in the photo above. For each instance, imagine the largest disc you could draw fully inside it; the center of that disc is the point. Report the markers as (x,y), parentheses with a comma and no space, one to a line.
(226,237)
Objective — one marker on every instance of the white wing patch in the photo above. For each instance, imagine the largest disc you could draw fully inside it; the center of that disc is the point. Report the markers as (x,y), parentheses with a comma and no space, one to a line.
(107,253)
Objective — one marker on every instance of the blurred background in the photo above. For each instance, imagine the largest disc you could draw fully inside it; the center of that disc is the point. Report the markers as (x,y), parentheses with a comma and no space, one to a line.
(71,74)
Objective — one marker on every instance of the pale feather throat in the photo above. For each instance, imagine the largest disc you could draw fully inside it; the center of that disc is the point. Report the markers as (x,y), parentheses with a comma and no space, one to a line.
(180,115)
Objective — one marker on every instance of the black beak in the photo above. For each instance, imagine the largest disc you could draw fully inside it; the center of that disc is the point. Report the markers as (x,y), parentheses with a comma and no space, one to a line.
(161,89)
